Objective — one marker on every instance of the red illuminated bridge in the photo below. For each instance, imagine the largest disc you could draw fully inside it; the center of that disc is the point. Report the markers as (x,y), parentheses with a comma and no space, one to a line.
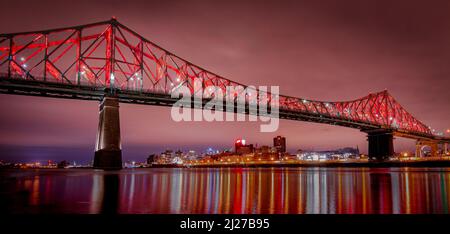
(108,62)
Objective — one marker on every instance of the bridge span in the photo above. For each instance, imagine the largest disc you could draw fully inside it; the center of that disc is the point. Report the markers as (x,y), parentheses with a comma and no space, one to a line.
(110,63)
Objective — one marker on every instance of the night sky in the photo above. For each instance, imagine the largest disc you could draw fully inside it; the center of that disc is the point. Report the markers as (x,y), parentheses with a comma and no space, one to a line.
(323,50)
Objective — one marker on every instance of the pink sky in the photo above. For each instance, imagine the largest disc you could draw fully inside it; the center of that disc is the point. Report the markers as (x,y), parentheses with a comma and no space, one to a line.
(331,51)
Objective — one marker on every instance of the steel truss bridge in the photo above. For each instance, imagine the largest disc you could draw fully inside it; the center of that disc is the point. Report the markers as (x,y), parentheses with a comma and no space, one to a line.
(109,62)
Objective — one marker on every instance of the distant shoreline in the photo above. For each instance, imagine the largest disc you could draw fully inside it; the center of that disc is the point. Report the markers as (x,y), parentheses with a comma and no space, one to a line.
(434,163)
(437,163)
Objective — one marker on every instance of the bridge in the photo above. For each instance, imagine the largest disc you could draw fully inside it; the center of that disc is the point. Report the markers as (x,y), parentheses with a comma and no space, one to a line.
(110,63)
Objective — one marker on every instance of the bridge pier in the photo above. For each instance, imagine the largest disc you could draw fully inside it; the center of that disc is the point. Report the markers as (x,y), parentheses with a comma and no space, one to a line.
(381,144)
(418,150)
(432,144)
(108,150)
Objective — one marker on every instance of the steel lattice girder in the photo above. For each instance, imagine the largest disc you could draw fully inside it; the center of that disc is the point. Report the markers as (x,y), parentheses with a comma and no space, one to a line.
(110,55)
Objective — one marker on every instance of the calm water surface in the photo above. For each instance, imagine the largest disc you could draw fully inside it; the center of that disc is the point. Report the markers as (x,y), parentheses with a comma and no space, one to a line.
(227,190)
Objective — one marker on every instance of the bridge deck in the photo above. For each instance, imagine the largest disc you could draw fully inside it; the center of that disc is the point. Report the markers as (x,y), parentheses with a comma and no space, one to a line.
(81,92)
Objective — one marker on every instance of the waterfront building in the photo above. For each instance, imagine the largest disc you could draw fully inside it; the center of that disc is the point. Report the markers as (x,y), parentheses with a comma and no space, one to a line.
(242,148)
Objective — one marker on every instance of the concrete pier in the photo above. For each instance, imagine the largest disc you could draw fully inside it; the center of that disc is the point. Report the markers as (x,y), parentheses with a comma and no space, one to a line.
(381,144)
(108,150)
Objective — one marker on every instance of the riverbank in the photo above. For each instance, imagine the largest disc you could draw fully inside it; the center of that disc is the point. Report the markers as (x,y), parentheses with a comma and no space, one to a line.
(434,163)
(418,163)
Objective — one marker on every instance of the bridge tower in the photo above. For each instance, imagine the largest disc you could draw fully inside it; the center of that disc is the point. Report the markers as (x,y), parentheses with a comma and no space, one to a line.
(381,144)
(108,149)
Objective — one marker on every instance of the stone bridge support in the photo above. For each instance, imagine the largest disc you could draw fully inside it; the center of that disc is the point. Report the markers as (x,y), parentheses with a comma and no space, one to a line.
(108,150)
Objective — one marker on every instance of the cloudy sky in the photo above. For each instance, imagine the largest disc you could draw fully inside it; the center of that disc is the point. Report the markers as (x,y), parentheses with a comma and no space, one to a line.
(325,50)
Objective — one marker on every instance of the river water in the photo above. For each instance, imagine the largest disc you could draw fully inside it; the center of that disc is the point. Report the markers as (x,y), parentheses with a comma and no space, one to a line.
(227,190)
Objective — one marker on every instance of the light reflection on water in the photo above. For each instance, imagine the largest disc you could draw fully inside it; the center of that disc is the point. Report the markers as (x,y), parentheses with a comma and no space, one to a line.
(227,190)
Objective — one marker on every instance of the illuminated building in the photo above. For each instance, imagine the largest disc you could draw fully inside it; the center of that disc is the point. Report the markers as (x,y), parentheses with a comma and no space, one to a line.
(340,154)
(279,143)
(191,155)
(263,150)
(242,148)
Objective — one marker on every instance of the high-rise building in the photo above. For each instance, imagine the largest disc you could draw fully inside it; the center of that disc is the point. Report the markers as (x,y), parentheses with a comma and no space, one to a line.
(279,143)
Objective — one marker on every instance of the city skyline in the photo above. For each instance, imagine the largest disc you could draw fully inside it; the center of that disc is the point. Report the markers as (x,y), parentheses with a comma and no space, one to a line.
(403,59)
(56,154)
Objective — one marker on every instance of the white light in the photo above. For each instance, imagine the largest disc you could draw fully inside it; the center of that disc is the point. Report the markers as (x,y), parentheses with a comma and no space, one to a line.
(24,65)
(171,84)
(136,74)
(178,79)
(22,59)
(112,80)
(390,118)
